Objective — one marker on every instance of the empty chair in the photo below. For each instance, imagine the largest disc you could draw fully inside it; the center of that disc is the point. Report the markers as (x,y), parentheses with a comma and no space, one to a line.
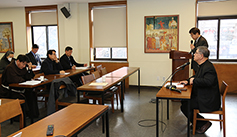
(96,96)
(10,110)
(96,74)
(116,89)
(99,67)
(221,112)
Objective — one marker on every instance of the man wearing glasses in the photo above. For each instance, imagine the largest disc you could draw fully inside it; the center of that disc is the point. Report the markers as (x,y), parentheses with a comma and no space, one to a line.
(205,94)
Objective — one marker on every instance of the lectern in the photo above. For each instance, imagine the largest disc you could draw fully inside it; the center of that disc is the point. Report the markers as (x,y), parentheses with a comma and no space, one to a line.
(179,58)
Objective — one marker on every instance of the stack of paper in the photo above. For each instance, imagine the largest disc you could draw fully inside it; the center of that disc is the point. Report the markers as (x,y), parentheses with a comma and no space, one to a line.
(175,84)
(32,82)
(81,67)
(98,84)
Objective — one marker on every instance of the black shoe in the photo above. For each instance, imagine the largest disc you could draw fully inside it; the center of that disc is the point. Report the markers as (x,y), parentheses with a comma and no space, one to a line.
(204,128)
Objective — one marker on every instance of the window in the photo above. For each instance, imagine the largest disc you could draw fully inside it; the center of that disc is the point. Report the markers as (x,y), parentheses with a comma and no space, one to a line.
(108,40)
(221,35)
(42,29)
(46,37)
(111,54)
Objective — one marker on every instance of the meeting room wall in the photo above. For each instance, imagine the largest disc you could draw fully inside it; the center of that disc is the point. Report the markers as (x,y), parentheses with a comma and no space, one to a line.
(74,31)
(155,66)
(17,17)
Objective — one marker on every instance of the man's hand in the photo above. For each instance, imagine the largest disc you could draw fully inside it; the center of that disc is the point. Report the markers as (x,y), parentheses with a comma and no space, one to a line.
(85,65)
(33,66)
(191,81)
(29,65)
(192,46)
(185,82)
(73,67)
(62,72)
(56,60)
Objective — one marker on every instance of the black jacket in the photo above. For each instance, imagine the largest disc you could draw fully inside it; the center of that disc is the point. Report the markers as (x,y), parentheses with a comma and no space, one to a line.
(65,62)
(50,67)
(206,88)
(33,59)
(201,42)
(4,62)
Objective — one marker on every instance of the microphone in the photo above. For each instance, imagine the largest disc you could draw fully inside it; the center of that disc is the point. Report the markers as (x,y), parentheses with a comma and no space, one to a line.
(184,65)
(191,49)
(173,87)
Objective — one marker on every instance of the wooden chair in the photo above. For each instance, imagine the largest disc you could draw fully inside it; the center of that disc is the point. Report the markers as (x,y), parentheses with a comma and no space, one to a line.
(43,93)
(99,67)
(68,100)
(118,91)
(221,112)
(96,74)
(88,78)
(10,110)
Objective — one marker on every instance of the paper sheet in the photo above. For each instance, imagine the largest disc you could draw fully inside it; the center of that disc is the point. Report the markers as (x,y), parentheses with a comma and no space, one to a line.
(81,67)
(175,83)
(98,84)
(32,82)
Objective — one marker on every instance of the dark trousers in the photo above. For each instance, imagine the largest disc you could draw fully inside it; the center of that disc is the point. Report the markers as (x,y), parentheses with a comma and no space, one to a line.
(193,105)
(30,98)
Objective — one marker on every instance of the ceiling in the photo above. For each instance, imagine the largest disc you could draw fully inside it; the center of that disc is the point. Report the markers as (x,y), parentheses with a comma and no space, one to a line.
(27,3)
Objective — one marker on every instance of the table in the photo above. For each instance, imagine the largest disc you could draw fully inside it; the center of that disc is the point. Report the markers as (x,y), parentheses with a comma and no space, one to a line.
(68,121)
(165,93)
(112,79)
(50,78)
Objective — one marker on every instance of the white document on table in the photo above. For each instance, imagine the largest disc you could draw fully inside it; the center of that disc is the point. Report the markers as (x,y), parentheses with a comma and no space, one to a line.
(66,73)
(98,84)
(176,84)
(81,67)
(31,82)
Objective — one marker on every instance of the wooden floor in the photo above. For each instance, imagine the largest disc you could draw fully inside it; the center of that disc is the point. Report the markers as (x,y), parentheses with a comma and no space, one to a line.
(138,108)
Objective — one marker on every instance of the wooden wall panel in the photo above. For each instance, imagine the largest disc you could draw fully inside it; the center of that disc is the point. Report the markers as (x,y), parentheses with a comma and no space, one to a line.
(228,73)
(111,66)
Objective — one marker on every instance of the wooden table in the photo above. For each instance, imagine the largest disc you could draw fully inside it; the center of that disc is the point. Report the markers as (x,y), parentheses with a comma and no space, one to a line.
(50,78)
(165,93)
(112,79)
(68,121)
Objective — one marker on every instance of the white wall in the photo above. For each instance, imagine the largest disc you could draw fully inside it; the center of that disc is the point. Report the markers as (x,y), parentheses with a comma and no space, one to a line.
(17,16)
(156,64)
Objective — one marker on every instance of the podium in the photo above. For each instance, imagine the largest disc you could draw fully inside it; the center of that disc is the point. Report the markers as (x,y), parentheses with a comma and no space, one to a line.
(179,58)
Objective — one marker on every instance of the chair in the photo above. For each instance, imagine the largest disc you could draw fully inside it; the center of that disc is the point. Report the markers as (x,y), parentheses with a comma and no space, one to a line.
(10,110)
(88,78)
(43,93)
(118,91)
(68,100)
(96,74)
(221,112)
(99,67)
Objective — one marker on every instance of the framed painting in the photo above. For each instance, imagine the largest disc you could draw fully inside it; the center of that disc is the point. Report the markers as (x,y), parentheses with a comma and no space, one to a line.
(161,33)
(6,37)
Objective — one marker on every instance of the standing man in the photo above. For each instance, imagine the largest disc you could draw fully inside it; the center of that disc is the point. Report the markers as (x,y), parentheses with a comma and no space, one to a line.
(205,94)
(68,61)
(16,72)
(34,58)
(199,41)
(51,64)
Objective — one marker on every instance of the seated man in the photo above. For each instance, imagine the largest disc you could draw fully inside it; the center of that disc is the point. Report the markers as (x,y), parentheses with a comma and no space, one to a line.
(16,72)
(51,64)
(68,62)
(34,58)
(205,94)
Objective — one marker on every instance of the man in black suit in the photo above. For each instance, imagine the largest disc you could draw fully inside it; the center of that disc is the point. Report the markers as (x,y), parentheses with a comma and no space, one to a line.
(199,41)
(205,94)
(51,64)
(34,58)
(68,61)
